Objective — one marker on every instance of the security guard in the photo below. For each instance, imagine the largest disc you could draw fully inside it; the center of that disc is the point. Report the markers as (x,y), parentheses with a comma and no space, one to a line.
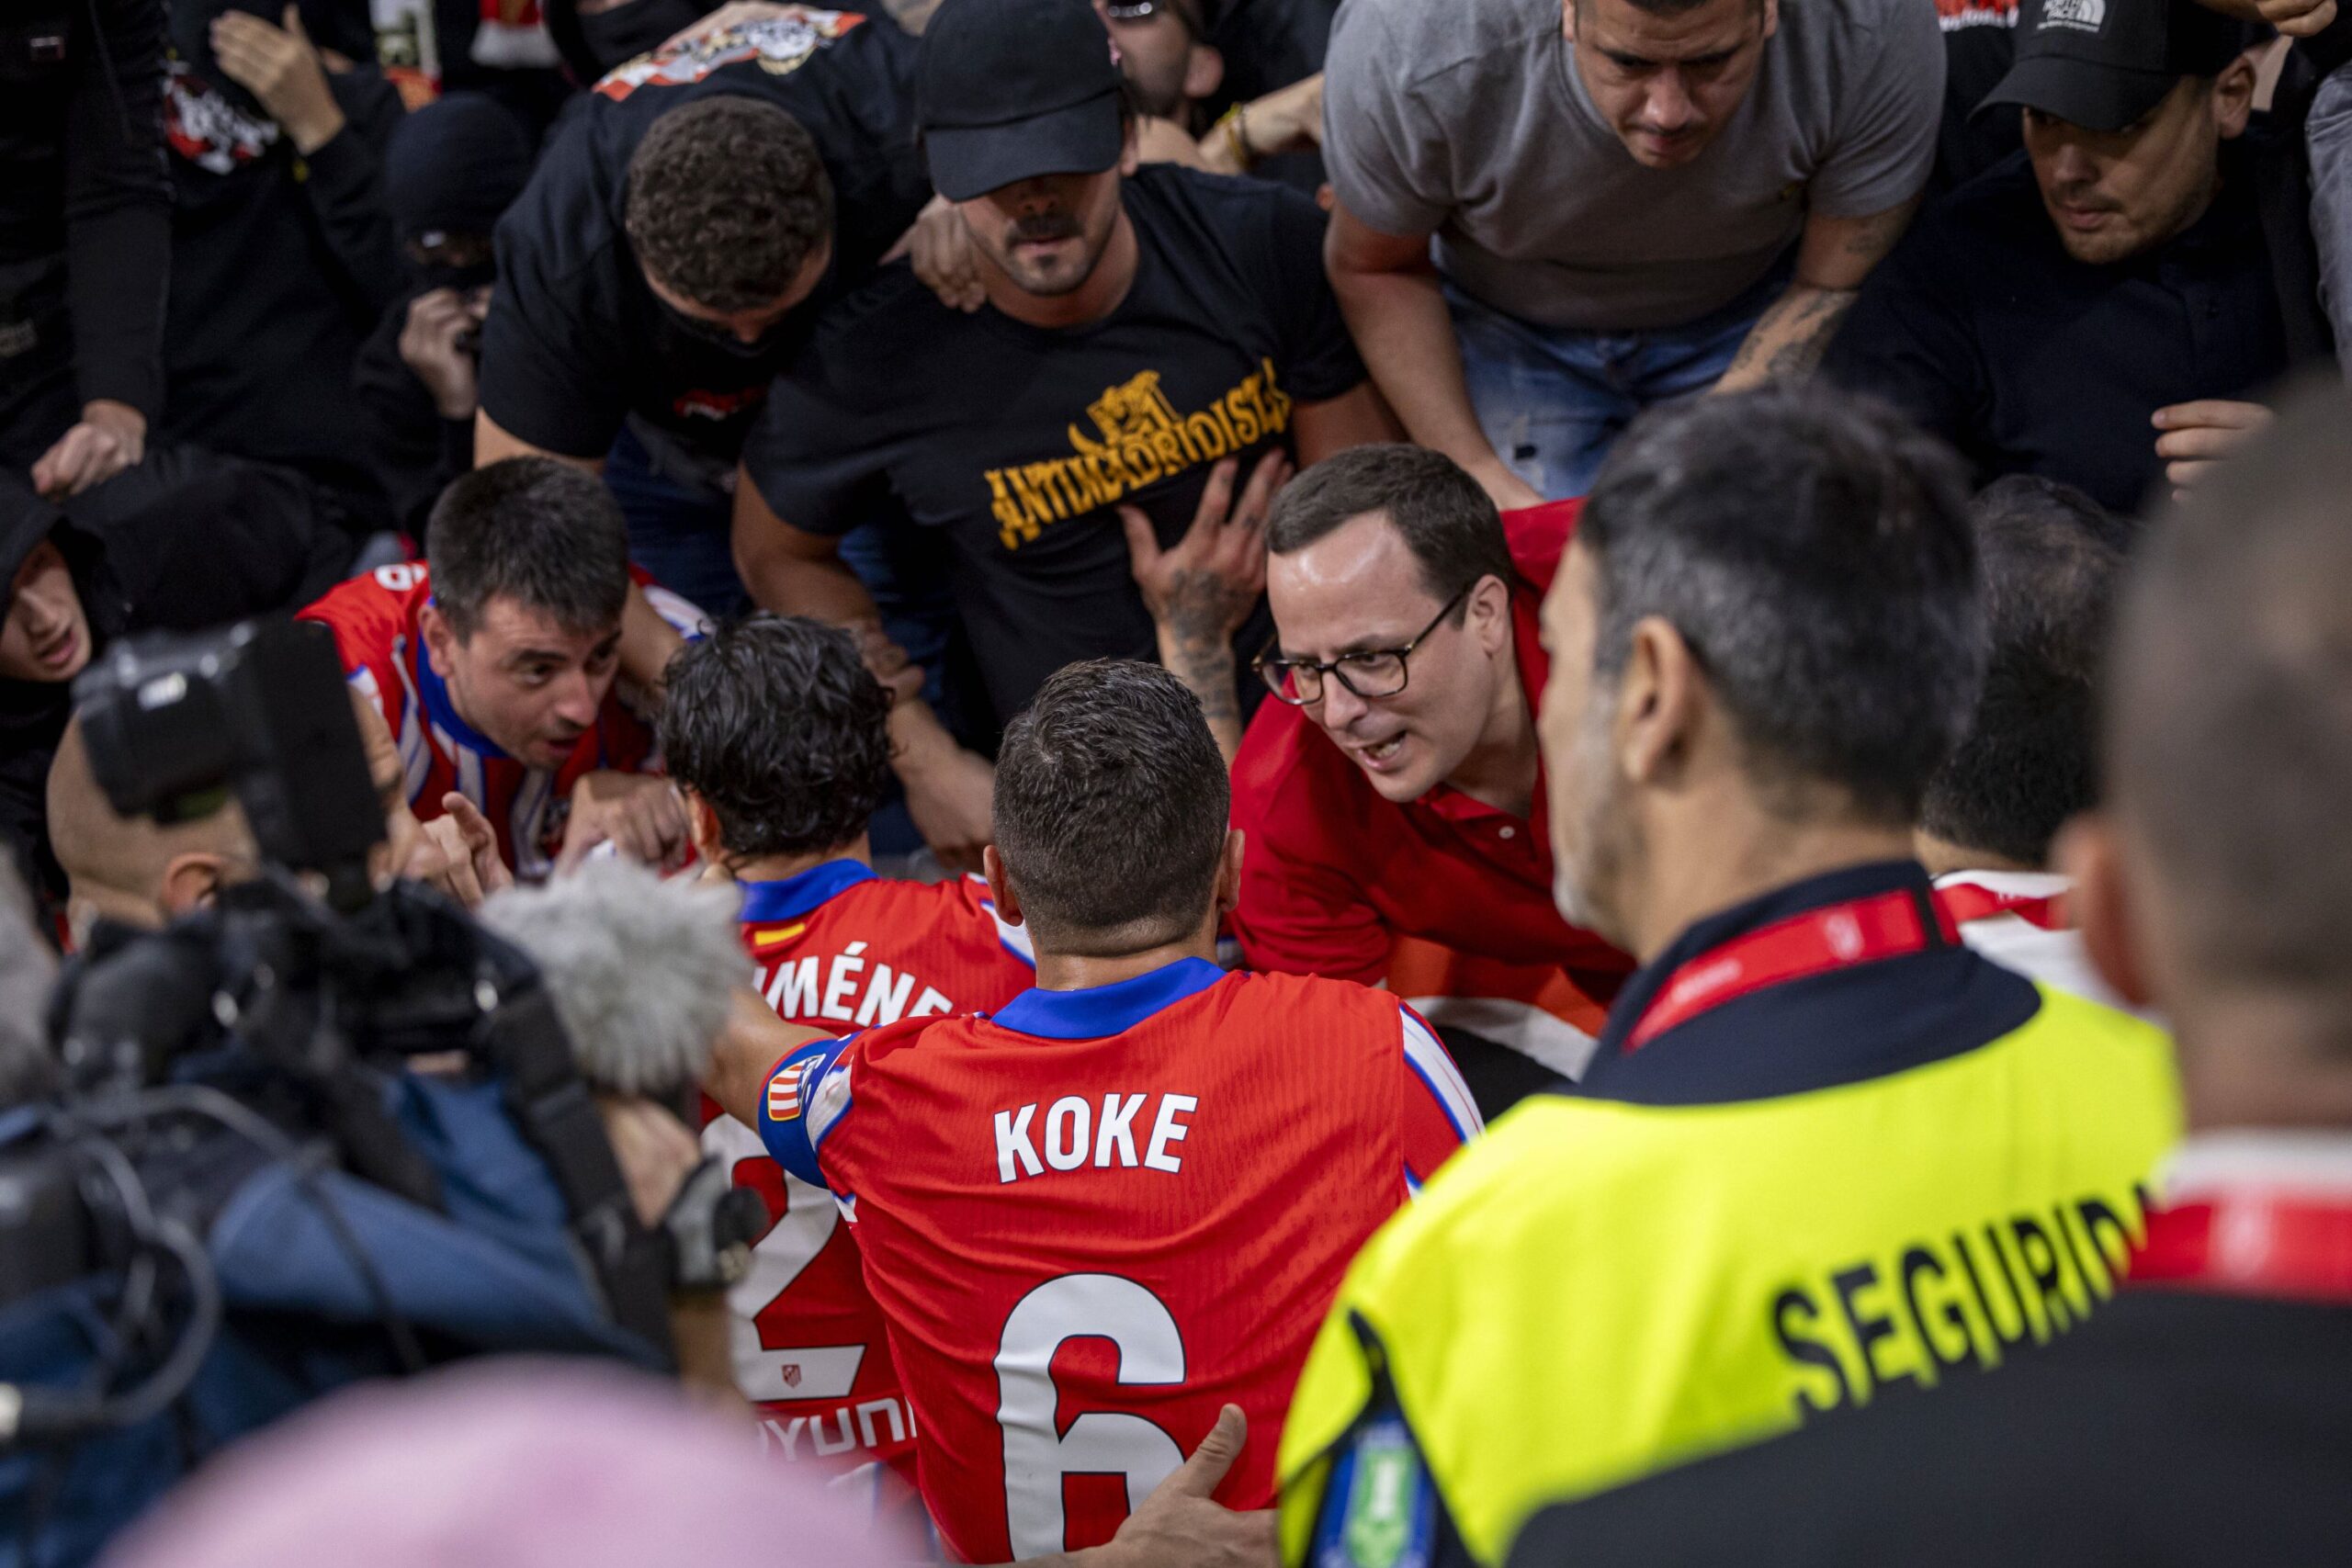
(1825,1152)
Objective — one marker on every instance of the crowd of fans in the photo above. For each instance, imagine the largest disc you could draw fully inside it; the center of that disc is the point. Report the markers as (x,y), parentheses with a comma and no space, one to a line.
(1416,779)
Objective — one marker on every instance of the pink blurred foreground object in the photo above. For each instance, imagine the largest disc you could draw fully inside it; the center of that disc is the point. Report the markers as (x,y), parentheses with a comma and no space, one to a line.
(513,1464)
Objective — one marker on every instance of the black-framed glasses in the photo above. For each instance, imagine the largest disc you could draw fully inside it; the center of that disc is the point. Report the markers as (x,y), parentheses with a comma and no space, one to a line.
(1375,673)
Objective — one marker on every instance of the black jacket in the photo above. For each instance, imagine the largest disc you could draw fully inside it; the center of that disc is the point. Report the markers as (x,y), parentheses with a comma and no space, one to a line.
(281,266)
(416,453)
(84,212)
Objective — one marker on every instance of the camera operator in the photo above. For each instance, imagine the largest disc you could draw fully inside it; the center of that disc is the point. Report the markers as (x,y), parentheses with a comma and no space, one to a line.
(643,971)
(136,873)
(305,1140)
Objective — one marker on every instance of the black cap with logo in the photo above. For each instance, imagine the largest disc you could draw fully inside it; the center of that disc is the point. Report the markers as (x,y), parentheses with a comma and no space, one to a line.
(1006,90)
(2102,65)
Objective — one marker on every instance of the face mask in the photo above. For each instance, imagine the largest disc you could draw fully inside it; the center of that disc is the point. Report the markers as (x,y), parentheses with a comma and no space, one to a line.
(709,337)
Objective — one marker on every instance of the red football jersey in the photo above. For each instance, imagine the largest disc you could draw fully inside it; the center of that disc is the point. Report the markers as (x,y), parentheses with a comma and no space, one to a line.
(374,618)
(1096,1217)
(838,944)
(1446,898)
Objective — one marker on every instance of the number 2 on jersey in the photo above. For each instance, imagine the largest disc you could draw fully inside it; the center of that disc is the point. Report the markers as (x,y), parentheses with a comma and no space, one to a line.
(768,1373)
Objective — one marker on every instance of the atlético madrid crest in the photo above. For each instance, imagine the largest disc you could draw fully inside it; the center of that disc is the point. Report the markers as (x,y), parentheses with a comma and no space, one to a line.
(781,44)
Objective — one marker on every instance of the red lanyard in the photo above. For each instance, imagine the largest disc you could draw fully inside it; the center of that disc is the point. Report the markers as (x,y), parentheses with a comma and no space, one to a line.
(2252,1242)
(1840,936)
(1965,901)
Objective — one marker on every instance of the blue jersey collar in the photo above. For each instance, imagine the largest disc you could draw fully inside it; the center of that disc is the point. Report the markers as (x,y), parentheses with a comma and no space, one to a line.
(1097,1012)
(435,693)
(792,897)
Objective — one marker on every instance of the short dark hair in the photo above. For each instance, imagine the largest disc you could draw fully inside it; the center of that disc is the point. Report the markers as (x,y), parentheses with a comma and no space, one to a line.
(726,201)
(2228,723)
(2048,561)
(1111,809)
(775,721)
(543,532)
(1813,549)
(1448,523)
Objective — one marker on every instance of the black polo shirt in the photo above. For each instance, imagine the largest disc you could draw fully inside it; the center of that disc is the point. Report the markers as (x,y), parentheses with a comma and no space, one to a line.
(575,341)
(1982,328)
(1010,449)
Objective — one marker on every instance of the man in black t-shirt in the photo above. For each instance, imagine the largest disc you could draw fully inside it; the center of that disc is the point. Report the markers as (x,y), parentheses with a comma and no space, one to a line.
(663,262)
(1152,340)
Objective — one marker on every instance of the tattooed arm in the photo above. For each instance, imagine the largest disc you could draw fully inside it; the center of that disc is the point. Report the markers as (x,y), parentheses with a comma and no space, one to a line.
(1832,258)
(1201,592)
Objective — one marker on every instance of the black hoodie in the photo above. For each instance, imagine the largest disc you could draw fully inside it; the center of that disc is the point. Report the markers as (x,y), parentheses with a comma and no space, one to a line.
(184,541)
(281,266)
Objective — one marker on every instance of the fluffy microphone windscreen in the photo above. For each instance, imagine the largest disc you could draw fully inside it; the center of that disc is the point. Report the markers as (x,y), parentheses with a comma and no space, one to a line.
(642,969)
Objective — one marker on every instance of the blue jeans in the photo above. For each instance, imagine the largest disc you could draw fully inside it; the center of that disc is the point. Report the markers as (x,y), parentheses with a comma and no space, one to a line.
(679,530)
(1552,400)
(682,532)
(2329,130)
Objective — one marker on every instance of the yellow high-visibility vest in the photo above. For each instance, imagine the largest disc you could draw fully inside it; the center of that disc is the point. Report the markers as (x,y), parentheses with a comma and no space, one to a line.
(1596,1289)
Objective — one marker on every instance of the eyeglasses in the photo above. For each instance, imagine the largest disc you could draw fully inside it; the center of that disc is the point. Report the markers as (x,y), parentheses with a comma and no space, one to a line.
(1375,673)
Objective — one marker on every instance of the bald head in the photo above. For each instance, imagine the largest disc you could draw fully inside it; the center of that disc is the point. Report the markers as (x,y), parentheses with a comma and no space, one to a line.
(2229,729)
(127,868)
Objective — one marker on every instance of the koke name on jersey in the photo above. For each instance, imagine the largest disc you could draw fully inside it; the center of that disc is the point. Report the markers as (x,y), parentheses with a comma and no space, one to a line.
(1072,1139)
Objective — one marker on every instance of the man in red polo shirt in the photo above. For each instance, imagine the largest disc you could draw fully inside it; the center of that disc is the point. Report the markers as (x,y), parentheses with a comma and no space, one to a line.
(1392,796)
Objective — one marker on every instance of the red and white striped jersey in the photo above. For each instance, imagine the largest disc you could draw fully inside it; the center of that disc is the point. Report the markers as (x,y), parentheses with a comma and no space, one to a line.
(1100,1214)
(837,945)
(374,618)
(2020,920)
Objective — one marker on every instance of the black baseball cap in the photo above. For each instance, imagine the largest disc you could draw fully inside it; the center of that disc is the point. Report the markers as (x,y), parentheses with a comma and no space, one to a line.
(2101,65)
(1006,90)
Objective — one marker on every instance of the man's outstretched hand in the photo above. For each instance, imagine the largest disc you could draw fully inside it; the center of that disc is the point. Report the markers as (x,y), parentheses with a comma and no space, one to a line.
(1180,1527)
(457,852)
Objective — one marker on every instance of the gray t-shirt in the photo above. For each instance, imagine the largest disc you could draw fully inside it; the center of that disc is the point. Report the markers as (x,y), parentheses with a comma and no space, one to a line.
(1467,118)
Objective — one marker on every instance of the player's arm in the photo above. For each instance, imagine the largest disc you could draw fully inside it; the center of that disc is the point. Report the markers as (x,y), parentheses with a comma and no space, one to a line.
(1439,1115)
(753,1045)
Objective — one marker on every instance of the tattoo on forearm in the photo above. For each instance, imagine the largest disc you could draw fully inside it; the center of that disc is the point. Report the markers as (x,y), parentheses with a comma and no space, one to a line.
(1201,607)
(1789,340)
